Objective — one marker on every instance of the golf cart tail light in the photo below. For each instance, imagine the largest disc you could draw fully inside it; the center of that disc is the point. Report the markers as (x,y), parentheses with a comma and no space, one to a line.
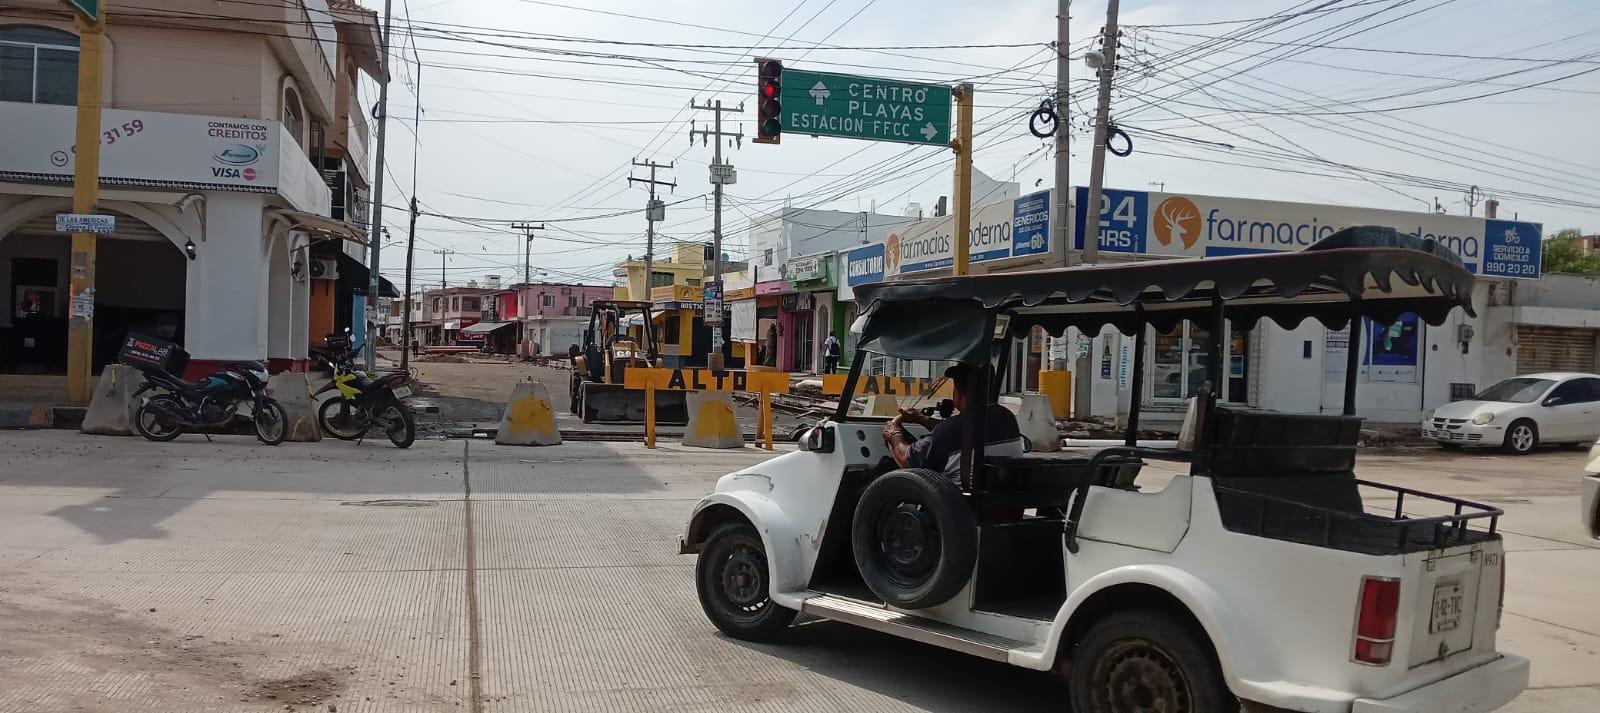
(1375,620)
(1483,418)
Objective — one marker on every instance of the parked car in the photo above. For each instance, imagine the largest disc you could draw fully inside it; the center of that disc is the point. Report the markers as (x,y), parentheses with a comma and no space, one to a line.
(1520,413)
(1258,579)
(1591,492)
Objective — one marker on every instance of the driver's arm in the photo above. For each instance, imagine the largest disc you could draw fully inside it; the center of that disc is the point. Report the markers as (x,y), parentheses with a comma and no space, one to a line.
(898,442)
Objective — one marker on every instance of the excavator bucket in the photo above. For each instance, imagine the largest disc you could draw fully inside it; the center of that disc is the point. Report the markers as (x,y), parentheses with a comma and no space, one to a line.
(608,403)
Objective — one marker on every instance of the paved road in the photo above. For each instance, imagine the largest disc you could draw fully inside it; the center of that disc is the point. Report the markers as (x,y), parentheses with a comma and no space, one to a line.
(227,576)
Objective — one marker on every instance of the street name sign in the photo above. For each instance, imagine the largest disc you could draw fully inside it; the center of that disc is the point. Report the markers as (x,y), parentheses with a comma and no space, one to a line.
(856,107)
(85,223)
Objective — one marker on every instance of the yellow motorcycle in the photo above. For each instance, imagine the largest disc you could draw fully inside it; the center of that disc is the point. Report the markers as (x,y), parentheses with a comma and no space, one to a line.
(364,402)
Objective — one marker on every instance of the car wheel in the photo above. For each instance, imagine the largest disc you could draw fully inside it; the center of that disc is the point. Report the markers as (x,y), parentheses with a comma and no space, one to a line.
(914,537)
(735,589)
(1522,437)
(1145,660)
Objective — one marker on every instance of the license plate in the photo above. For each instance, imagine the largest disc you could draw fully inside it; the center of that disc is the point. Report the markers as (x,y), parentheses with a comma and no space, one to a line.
(401,392)
(1457,436)
(1446,615)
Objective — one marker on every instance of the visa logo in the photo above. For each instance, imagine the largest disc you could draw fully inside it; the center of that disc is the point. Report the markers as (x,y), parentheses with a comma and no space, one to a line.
(248,174)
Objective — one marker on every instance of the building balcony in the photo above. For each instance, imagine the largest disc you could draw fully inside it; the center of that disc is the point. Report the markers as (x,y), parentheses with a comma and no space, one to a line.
(158,150)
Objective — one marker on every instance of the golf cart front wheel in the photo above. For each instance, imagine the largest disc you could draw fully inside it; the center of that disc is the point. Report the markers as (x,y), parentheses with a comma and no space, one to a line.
(732,580)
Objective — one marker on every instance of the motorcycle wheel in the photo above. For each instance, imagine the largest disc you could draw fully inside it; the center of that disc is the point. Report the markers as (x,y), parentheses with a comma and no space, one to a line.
(402,426)
(341,419)
(154,424)
(272,422)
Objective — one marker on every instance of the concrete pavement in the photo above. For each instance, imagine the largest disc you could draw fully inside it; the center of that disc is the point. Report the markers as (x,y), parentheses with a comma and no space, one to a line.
(228,576)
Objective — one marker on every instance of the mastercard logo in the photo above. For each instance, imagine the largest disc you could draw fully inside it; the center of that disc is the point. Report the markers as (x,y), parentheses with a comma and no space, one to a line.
(1177,220)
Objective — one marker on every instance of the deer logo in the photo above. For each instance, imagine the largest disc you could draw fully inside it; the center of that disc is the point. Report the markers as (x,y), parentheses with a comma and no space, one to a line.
(1178,220)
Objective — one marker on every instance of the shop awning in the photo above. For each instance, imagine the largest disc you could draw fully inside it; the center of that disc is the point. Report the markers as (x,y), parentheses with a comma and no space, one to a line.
(485,327)
(351,269)
(322,226)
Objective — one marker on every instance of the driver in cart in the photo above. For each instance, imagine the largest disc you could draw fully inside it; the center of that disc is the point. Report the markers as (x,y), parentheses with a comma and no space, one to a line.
(940,449)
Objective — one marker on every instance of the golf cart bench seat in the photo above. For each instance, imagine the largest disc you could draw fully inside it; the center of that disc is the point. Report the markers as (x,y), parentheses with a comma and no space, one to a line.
(1048,479)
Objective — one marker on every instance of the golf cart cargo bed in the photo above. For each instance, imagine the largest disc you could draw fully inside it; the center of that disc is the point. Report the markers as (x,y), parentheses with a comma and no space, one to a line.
(1283,509)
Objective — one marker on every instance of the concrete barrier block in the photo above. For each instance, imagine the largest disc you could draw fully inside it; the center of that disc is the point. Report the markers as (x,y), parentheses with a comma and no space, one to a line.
(292,389)
(711,421)
(528,419)
(881,405)
(111,407)
(1037,422)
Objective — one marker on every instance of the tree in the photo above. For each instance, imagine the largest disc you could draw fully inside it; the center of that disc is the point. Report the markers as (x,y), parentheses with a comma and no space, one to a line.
(1564,253)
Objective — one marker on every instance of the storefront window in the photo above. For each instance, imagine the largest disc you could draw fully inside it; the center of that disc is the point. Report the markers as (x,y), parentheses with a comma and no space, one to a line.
(1180,360)
(38,65)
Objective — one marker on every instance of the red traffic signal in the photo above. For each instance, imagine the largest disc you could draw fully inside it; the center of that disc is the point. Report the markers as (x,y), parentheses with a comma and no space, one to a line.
(769,101)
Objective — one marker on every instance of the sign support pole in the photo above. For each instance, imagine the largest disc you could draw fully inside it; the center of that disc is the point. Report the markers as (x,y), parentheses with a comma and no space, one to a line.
(963,189)
(764,419)
(650,415)
(85,194)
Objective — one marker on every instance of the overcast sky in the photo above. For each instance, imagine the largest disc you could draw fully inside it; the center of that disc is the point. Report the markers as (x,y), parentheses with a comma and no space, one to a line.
(513,131)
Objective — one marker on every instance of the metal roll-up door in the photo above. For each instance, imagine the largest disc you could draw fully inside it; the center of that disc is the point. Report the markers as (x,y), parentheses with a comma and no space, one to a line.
(1554,349)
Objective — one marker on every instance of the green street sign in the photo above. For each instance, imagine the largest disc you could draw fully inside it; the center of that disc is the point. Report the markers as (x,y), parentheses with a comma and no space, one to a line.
(856,107)
(89,9)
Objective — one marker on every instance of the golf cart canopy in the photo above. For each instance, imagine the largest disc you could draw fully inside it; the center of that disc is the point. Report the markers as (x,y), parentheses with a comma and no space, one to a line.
(1368,271)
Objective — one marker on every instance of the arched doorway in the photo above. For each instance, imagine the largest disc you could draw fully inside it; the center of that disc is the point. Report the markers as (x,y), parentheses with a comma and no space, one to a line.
(140,286)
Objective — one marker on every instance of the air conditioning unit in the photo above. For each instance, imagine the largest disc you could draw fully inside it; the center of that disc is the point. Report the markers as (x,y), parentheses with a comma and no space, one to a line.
(324,269)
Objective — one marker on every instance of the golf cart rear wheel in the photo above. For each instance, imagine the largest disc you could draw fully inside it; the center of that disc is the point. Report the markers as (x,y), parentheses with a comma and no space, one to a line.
(1146,660)
(735,590)
(914,537)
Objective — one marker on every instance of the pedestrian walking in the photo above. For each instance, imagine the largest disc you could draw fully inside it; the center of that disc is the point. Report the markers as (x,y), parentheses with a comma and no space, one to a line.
(830,354)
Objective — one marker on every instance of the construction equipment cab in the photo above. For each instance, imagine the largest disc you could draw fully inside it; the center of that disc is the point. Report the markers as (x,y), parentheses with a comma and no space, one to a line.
(1253,571)
(620,336)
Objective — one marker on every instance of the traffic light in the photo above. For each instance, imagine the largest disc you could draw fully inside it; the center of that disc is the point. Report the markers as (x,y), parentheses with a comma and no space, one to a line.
(769,101)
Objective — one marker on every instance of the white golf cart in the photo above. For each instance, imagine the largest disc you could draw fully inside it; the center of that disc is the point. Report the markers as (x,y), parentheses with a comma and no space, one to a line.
(1260,578)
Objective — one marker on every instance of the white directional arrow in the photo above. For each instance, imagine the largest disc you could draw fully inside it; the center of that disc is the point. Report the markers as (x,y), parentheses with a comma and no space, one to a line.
(928,131)
(820,93)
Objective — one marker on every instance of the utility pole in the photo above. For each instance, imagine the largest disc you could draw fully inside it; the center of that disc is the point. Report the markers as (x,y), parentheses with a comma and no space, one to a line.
(411,233)
(527,279)
(721,174)
(85,194)
(411,249)
(654,211)
(963,187)
(444,269)
(376,242)
(1063,204)
(527,246)
(1097,165)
